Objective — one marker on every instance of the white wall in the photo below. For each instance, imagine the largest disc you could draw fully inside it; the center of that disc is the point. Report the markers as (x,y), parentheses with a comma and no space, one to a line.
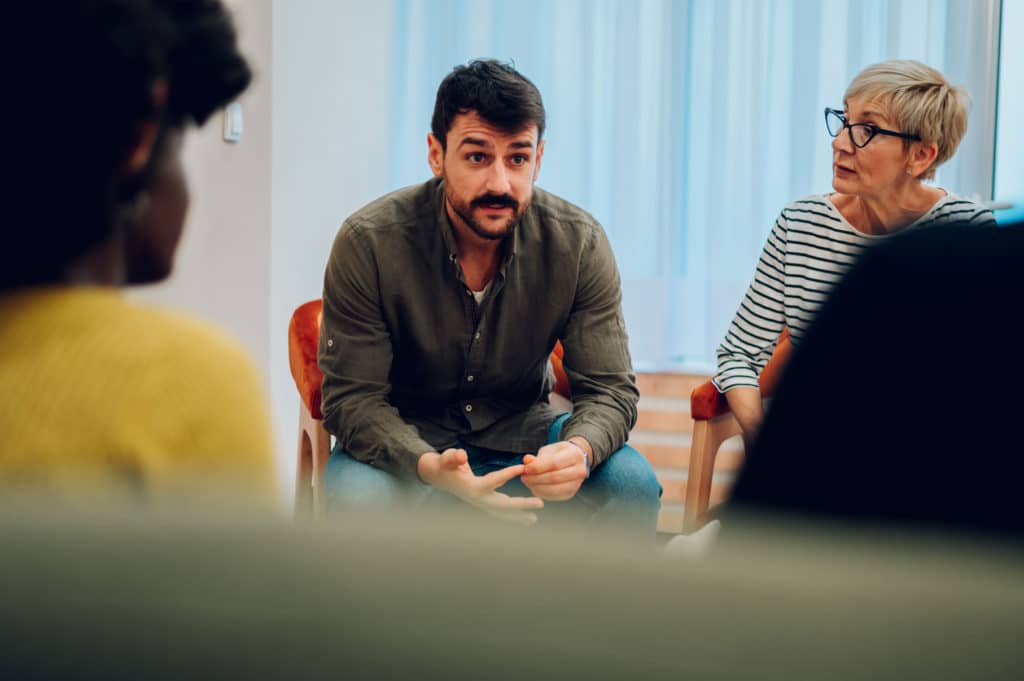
(222,268)
(331,76)
(265,210)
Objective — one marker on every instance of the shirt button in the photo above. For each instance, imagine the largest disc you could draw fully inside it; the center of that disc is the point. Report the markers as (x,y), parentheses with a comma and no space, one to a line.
(476,336)
(330,342)
(469,408)
(471,378)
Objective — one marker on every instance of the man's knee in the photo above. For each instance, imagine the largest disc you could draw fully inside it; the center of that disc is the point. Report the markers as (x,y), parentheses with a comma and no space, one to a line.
(348,482)
(628,476)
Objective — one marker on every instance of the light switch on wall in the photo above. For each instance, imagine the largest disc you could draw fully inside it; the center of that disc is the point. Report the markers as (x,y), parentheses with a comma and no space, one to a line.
(233,122)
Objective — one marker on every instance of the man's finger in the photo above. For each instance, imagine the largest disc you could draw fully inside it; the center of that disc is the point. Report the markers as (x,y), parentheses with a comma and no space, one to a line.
(538,466)
(561,492)
(553,461)
(453,458)
(570,474)
(496,501)
(501,476)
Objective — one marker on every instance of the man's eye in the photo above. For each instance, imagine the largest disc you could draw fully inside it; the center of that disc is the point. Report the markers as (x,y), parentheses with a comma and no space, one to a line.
(519,160)
(476,158)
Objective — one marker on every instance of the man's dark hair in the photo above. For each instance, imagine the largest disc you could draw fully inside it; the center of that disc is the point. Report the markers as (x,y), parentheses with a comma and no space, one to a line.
(84,87)
(495,91)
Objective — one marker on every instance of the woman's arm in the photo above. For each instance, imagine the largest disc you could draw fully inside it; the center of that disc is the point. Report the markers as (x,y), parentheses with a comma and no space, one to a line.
(745,404)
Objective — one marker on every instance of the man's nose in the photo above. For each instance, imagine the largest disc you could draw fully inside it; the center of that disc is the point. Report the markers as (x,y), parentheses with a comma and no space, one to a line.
(497,179)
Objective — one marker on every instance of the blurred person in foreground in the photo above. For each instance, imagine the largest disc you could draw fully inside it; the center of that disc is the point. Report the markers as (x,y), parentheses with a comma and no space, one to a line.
(899,122)
(97,392)
(442,303)
(916,353)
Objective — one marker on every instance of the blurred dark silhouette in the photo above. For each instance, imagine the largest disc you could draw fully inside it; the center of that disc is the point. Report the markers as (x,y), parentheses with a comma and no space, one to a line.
(903,405)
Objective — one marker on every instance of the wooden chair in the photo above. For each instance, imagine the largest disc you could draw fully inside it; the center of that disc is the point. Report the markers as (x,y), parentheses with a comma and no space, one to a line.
(713,424)
(314,441)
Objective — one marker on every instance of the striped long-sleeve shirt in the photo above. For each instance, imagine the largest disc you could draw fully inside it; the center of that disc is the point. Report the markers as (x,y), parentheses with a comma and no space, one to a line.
(809,249)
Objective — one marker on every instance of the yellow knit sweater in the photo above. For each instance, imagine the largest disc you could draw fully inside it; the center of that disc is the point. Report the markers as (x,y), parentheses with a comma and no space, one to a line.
(97,392)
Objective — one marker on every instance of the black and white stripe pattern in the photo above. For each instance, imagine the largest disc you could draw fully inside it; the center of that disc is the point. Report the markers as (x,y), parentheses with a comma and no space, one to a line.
(809,249)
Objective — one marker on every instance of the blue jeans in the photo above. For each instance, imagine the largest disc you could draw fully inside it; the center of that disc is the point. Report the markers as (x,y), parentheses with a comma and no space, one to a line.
(621,494)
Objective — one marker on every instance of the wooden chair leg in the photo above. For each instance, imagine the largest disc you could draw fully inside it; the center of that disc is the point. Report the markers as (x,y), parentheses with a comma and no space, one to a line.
(304,468)
(321,449)
(708,436)
(698,476)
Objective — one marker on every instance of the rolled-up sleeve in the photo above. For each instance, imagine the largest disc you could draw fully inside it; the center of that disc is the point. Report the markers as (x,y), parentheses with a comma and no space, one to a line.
(597,360)
(755,329)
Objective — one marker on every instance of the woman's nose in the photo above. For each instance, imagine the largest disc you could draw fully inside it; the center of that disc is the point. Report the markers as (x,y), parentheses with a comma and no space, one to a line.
(842,142)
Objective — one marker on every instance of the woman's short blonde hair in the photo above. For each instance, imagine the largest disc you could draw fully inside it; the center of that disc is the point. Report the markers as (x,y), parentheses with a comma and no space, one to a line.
(920,101)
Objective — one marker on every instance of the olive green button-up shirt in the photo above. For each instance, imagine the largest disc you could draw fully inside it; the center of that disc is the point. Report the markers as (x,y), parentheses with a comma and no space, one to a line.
(413,364)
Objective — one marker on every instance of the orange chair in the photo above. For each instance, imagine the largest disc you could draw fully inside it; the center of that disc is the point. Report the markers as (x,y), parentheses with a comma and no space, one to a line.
(713,424)
(314,442)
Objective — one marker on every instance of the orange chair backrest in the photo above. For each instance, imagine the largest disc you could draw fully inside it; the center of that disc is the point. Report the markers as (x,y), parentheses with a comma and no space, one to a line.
(303,342)
(561,380)
(303,339)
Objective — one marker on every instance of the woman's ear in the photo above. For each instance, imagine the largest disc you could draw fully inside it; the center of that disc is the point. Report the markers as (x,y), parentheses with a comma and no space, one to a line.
(921,158)
(139,155)
(147,133)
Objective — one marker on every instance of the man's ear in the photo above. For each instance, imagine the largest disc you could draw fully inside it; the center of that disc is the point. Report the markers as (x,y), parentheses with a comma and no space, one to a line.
(540,155)
(435,155)
(921,157)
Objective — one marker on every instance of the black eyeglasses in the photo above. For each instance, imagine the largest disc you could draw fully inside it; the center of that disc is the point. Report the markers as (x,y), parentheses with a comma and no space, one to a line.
(860,133)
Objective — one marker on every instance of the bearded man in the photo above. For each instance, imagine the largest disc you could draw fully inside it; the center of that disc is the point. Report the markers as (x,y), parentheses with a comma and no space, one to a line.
(442,303)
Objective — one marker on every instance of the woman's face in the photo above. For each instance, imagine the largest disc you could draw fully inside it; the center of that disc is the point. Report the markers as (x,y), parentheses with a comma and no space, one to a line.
(151,243)
(873,169)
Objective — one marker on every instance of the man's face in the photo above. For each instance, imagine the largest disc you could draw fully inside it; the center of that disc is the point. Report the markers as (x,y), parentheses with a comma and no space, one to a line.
(488,174)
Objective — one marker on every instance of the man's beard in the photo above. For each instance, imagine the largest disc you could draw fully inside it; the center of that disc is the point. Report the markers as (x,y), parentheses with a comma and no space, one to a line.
(465,211)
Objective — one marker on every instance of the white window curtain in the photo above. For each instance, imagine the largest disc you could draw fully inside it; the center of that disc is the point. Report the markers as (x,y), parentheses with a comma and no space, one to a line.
(685,126)
(1009,171)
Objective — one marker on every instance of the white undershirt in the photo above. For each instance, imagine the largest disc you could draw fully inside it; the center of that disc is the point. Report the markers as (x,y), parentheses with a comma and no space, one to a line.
(479,295)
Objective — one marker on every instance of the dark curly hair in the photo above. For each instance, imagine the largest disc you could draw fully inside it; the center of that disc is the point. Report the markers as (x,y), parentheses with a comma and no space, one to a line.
(82,89)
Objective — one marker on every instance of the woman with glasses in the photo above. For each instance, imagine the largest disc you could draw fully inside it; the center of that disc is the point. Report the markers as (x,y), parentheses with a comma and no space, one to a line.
(899,122)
